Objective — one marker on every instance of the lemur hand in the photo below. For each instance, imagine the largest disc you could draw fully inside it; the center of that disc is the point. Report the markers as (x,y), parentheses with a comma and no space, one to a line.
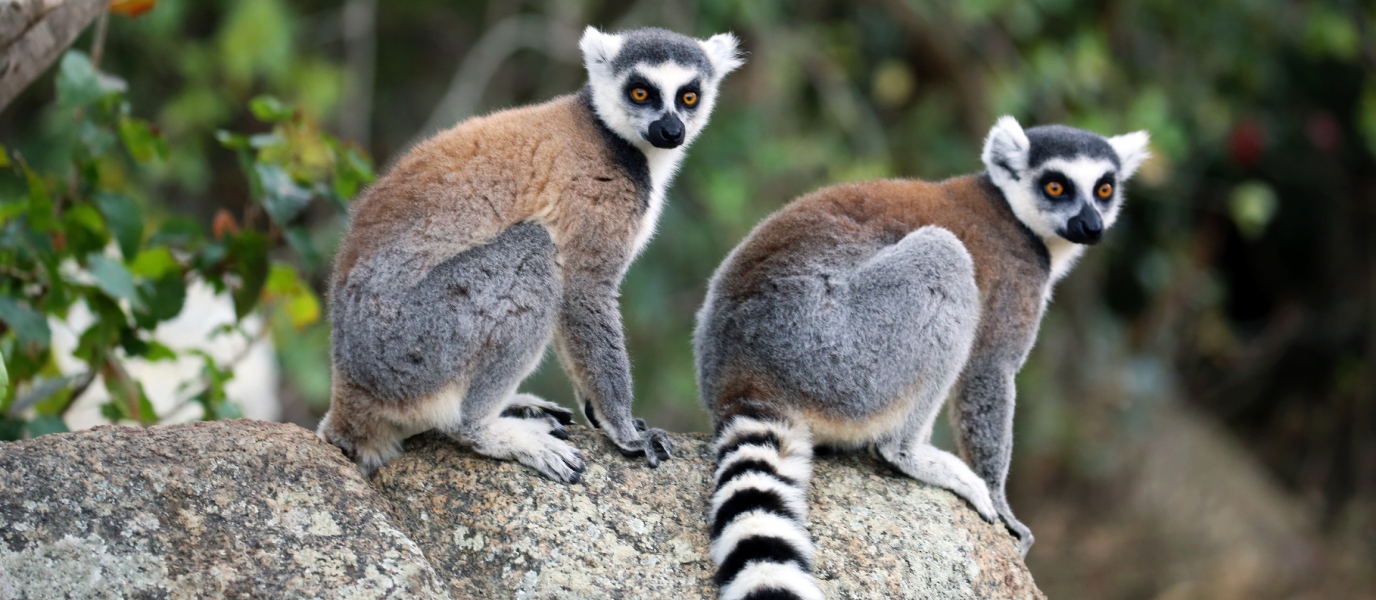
(1024,535)
(654,444)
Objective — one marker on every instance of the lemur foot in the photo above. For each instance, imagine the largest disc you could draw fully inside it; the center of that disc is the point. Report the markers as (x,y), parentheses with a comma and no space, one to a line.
(1020,531)
(537,443)
(653,443)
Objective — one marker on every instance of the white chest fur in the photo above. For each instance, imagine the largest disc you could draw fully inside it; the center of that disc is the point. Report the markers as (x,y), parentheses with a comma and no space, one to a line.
(663,164)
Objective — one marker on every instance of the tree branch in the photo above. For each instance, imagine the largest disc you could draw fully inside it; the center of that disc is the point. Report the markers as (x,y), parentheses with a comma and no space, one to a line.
(42,36)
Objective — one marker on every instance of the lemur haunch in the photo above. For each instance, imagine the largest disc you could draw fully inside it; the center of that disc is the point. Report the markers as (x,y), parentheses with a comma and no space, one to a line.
(846,318)
(494,237)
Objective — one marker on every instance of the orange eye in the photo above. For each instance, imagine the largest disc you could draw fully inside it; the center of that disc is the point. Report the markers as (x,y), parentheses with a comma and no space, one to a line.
(1105,190)
(690,98)
(1055,188)
(639,94)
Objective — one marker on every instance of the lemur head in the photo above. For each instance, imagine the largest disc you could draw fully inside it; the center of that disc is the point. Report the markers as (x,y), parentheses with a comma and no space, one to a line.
(1063,183)
(653,87)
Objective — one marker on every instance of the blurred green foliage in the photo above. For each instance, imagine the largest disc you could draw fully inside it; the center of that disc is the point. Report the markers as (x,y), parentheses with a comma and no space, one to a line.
(77,234)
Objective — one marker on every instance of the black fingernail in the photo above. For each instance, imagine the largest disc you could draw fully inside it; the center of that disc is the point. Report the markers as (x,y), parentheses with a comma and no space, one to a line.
(562,434)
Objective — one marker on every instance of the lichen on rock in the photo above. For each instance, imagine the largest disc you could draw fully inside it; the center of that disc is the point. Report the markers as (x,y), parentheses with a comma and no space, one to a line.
(246,509)
(229,509)
(498,530)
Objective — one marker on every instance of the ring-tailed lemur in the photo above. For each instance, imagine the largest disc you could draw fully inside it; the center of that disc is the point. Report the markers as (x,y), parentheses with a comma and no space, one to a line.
(494,237)
(846,318)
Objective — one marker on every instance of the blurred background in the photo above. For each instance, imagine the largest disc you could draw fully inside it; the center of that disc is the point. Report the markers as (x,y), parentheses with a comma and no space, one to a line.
(1198,419)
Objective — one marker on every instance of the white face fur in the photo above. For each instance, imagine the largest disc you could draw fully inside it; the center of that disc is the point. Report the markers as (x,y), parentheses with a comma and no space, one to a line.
(656,90)
(631,97)
(1065,184)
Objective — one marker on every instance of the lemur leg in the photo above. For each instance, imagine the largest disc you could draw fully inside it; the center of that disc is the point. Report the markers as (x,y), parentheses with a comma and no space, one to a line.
(982,417)
(486,425)
(759,509)
(912,453)
(356,425)
(592,348)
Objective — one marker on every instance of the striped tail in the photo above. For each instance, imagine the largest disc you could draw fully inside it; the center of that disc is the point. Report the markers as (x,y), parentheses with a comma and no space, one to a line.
(759,511)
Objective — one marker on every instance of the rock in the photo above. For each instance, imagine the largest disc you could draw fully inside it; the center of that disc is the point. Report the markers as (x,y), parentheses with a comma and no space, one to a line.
(247,509)
(499,530)
(229,509)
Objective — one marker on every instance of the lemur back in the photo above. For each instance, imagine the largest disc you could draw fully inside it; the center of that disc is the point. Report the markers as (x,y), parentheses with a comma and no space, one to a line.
(849,316)
(492,239)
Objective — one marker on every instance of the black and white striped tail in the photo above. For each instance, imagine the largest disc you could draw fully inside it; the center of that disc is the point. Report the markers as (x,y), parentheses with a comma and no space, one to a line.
(759,511)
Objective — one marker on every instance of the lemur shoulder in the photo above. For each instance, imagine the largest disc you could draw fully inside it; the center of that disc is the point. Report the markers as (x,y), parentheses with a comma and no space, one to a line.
(492,239)
(849,316)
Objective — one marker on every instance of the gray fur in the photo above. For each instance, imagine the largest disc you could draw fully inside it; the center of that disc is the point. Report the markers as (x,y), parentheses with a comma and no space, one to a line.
(652,46)
(492,305)
(1060,141)
(853,328)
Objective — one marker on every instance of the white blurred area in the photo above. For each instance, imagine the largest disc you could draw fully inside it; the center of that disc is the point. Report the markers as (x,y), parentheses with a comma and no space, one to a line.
(254,386)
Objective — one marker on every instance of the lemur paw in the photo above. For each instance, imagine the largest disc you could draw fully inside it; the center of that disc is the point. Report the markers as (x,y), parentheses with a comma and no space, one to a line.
(537,443)
(1020,531)
(653,443)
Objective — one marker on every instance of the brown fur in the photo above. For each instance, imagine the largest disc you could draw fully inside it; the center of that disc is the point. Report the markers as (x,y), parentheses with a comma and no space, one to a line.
(545,163)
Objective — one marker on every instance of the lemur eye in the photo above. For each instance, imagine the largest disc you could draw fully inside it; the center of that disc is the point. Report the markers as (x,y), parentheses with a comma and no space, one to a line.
(690,98)
(1105,190)
(639,94)
(1055,188)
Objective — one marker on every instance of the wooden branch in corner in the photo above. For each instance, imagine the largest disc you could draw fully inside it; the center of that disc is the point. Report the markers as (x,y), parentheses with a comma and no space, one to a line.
(33,33)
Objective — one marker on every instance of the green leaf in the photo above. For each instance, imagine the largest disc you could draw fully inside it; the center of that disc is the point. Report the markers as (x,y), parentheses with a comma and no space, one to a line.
(283,198)
(269,109)
(4,157)
(158,352)
(178,231)
(4,377)
(115,410)
(125,221)
(301,305)
(40,203)
(249,250)
(230,410)
(231,140)
(28,325)
(147,414)
(154,263)
(85,230)
(45,424)
(11,430)
(143,143)
(113,279)
(168,297)
(80,84)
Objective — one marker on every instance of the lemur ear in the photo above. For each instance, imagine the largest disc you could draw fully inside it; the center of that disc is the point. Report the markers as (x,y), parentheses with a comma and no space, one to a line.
(722,49)
(1005,150)
(1132,151)
(598,49)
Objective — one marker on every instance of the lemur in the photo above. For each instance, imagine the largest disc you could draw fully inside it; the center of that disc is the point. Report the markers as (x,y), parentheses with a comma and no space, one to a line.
(846,319)
(489,240)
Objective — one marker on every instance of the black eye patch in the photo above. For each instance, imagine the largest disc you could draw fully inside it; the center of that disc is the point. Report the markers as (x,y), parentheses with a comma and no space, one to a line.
(689,96)
(1055,186)
(1108,179)
(638,91)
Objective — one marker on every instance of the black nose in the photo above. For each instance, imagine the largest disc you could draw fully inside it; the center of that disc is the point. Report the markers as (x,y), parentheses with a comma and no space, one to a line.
(1085,228)
(666,132)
